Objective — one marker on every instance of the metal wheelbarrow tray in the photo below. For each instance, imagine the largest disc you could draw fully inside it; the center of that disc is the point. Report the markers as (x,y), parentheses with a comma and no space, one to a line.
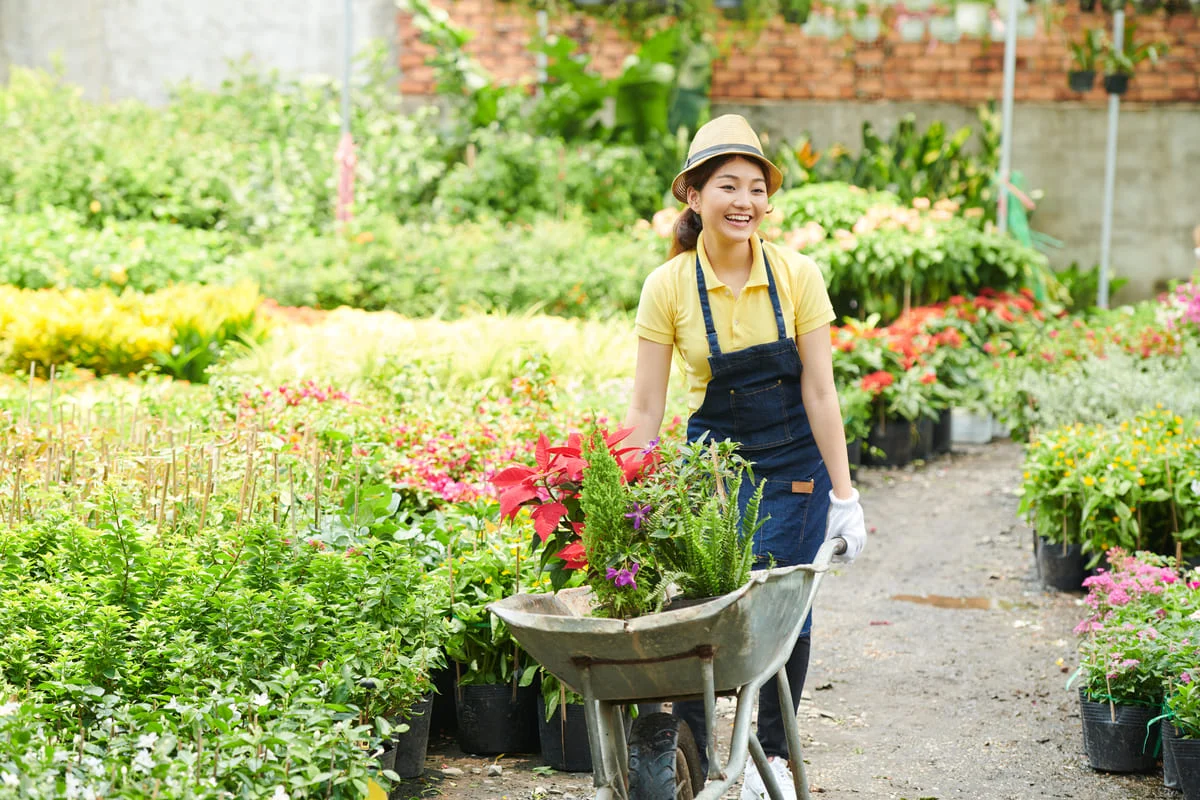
(732,643)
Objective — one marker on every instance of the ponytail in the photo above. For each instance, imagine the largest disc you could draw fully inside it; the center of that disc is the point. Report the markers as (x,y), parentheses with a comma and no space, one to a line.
(686,232)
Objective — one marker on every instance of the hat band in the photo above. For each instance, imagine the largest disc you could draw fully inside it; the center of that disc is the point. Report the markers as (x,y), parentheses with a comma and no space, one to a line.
(722,148)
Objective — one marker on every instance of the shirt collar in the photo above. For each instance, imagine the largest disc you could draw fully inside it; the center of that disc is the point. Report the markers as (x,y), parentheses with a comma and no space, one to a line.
(758,269)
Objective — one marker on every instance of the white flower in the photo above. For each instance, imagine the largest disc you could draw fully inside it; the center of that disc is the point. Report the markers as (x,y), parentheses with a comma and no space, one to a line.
(280,794)
(146,741)
(8,709)
(173,705)
(143,762)
(72,787)
(10,779)
(259,700)
(1196,487)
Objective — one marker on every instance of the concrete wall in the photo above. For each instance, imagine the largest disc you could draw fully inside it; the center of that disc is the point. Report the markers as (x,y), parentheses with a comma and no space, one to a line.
(1060,148)
(138,48)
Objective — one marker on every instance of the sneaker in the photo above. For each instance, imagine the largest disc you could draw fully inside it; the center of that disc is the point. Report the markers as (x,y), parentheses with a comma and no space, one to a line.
(753,787)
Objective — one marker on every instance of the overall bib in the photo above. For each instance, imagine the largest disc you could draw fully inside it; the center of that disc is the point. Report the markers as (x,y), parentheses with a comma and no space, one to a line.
(754,399)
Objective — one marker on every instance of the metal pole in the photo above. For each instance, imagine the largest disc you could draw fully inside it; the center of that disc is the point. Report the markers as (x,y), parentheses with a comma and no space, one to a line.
(1010,78)
(347,67)
(540,58)
(1110,167)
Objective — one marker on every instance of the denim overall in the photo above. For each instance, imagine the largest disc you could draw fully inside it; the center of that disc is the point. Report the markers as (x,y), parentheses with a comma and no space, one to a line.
(754,399)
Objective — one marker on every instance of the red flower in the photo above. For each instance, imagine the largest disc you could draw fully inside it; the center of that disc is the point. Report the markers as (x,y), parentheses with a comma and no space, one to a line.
(928,378)
(574,555)
(876,382)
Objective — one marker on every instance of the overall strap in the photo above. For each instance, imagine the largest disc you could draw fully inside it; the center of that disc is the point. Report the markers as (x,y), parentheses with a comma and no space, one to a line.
(714,347)
(779,323)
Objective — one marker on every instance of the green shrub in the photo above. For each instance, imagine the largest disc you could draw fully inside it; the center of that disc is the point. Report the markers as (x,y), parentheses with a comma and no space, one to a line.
(442,269)
(56,249)
(517,176)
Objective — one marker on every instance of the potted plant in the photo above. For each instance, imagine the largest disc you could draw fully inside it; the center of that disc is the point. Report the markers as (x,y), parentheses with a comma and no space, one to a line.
(1181,731)
(1120,64)
(1084,53)
(971,17)
(911,28)
(496,702)
(866,26)
(795,12)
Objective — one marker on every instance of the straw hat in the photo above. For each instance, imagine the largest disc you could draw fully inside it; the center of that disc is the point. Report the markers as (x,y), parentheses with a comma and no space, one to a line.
(726,135)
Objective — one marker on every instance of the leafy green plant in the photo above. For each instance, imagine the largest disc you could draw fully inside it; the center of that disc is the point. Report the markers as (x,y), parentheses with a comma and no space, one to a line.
(1132,52)
(1087,49)
(711,547)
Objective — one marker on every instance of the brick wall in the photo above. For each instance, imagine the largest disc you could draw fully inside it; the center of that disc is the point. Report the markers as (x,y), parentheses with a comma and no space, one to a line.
(782,63)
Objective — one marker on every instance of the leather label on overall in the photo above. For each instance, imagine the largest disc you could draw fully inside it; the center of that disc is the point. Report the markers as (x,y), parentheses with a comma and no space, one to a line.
(802,487)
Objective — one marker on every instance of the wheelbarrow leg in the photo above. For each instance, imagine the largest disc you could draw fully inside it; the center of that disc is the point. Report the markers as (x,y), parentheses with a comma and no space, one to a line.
(710,714)
(764,769)
(791,729)
(608,762)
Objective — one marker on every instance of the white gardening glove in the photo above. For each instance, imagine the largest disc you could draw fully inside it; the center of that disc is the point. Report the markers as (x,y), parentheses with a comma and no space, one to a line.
(846,521)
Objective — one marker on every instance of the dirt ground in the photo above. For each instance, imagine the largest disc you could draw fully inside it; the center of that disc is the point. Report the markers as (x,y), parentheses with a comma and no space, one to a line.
(939,661)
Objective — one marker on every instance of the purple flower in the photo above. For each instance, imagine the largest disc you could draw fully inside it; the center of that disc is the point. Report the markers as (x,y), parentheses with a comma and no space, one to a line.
(653,443)
(623,577)
(638,515)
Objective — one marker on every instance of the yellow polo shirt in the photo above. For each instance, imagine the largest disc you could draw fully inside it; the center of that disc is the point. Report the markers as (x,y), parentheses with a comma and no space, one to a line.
(669,310)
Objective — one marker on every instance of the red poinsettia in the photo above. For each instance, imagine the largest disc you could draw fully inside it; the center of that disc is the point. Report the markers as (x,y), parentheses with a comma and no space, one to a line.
(551,490)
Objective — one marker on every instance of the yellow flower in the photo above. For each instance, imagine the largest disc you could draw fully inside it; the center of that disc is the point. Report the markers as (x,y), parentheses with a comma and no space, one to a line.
(1088,480)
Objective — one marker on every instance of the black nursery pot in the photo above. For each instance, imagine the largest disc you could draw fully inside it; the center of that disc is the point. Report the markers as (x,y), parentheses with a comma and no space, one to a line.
(941,433)
(854,454)
(1170,775)
(1121,746)
(1061,570)
(1081,80)
(494,719)
(1185,755)
(565,745)
(923,448)
(411,746)
(1116,83)
(442,719)
(895,438)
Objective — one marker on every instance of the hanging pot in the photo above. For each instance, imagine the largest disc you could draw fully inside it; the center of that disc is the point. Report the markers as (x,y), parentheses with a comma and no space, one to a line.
(496,718)
(1117,83)
(971,18)
(912,29)
(1081,80)
(944,29)
(866,29)
(1062,568)
(1119,738)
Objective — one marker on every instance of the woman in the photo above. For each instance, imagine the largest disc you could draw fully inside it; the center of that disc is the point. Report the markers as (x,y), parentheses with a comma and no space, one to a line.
(750,321)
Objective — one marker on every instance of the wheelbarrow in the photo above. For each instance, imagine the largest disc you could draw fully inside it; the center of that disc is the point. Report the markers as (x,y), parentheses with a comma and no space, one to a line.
(729,645)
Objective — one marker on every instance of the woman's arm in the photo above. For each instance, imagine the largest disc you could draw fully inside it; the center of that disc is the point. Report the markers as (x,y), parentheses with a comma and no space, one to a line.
(650,391)
(821,405)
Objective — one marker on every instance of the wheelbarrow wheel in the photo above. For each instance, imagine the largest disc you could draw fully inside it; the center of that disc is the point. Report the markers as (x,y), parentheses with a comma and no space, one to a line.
(664,762)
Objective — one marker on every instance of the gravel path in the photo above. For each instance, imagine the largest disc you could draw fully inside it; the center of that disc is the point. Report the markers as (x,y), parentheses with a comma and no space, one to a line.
(939,661)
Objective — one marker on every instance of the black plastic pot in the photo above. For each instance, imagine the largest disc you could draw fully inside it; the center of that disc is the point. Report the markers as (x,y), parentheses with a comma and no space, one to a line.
(854,453)
(442,719)
(895,438)
(1087,5)
(565,744)
(1170,776)
(923,447)
(494,719)
(1061,570)
(1116,83)
(941,433)
(1185,753)
(1081,80)
(410,747)
(1121,746)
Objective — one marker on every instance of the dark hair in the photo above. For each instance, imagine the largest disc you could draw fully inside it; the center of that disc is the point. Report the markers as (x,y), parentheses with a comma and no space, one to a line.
(687,228)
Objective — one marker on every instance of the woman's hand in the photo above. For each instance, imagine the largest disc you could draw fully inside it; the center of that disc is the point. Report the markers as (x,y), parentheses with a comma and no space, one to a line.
(846,521)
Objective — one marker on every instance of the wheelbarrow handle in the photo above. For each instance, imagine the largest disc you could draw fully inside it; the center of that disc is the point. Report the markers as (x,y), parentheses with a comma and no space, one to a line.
(834,547)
